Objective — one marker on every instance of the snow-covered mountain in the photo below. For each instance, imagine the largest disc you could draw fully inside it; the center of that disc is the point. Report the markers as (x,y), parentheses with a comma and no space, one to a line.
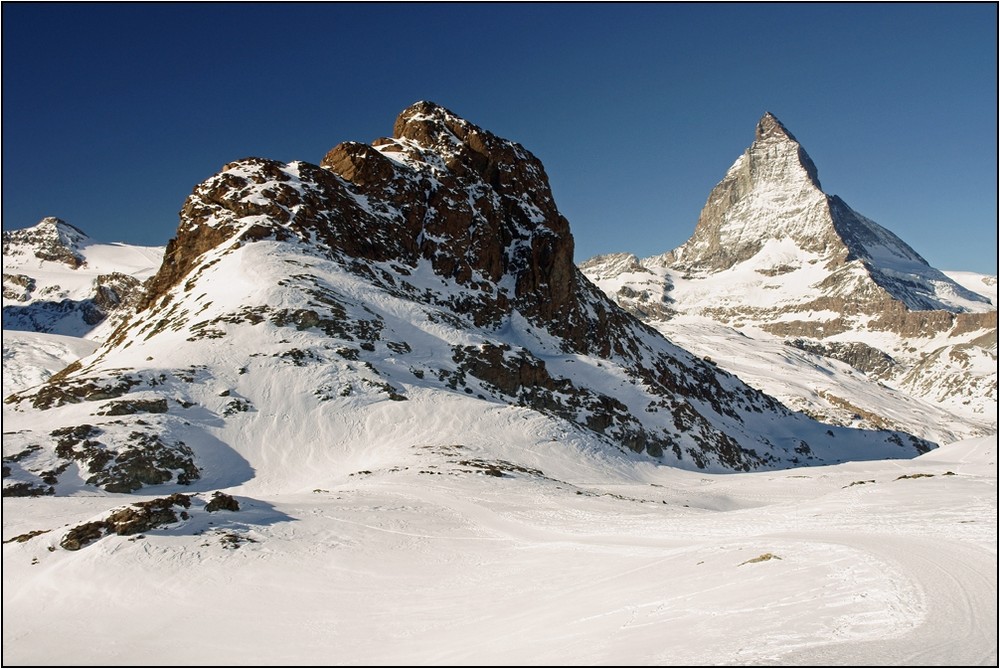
(983,284)
(773,256)
(769,214)
(303,302)
(440,444)
(58,280)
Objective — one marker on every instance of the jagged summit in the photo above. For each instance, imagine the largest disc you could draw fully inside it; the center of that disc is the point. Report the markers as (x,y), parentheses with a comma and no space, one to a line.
(769,126)
(771,210)
(774,140)
(476,206)
(772,252)
(66,231)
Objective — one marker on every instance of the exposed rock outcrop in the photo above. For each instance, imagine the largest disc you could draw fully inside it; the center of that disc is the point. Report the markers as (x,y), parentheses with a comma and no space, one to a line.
(53,239)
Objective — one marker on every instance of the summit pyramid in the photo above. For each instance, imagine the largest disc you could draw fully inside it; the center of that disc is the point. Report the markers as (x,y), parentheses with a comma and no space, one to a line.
(770,206)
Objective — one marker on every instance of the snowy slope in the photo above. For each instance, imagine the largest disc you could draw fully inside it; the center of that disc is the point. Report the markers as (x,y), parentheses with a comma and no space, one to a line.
(828,389)
(984,284)
(29,358)
(242,390)
(595,562)
(946,368)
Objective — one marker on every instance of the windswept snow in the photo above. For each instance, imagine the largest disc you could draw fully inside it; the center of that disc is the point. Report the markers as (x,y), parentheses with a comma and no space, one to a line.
(984,284)
(633,564)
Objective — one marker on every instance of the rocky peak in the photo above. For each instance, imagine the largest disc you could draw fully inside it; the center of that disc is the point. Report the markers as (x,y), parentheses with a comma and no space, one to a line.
(612,264)
(51,239)
(772,191)
(773,139)
(771,196)
(476,206)
(770,127)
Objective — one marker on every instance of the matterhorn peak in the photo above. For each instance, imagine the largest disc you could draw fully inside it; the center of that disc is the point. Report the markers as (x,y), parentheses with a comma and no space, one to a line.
(770,127)
(778,155)
(770,215)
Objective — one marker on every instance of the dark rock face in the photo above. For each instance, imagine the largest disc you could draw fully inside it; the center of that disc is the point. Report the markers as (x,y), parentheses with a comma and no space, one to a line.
(478,207)
(222,502)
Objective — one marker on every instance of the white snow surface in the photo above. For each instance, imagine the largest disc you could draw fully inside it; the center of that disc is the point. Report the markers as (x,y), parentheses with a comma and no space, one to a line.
(599,561)
(29,358)
(984,284)
(371,533)
(951,371)
(57,281)
(368,535)
(816,384)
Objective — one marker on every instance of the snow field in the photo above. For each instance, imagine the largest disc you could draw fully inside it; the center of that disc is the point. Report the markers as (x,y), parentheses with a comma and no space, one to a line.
(647,565)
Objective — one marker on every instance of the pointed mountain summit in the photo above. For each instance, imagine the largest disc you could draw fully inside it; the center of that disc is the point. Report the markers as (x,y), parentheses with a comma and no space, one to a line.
(51,239)
(771,132)
(771,205)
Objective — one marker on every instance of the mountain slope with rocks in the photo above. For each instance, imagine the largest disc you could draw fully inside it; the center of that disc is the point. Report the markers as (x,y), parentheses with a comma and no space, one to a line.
(58,280)
(773,256)
(310,317)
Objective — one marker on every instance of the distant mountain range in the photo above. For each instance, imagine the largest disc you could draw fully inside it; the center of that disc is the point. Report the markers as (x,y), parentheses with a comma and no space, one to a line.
(58,280)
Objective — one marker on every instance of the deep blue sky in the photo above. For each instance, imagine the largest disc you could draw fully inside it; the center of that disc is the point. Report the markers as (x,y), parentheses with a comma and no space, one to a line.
(113,113)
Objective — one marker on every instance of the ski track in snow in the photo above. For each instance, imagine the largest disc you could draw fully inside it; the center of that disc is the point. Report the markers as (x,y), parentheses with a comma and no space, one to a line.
(960,627)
